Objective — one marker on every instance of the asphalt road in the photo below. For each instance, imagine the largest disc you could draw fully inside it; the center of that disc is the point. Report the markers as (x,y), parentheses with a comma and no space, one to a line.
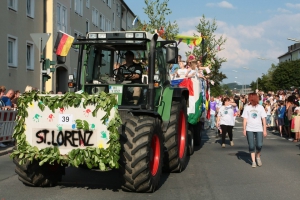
(212,173)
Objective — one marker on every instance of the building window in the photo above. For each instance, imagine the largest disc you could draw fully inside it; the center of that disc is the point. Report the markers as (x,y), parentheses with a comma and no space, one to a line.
(118,10)
(87,3)
(102,22)
(129,21)
(78,7)
(87,26)
(61,17)
(108,25)
(108,2)
(13,4)
(76,35)
(30,56)
(95,17)
(114,21)
(30,8)
(12,53)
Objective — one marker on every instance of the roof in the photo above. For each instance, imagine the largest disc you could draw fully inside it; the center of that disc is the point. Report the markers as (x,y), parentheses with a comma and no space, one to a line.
(290,52)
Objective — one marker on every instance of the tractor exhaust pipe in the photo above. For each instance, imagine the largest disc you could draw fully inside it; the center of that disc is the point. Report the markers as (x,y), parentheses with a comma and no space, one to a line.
(151,72)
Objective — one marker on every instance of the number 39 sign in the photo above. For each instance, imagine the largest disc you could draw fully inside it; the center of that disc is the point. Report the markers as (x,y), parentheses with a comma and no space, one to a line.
(65,119)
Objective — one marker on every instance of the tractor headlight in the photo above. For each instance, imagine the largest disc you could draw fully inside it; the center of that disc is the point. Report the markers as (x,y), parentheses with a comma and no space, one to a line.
(139,35)
(102,35)
(92,36)
(129,35)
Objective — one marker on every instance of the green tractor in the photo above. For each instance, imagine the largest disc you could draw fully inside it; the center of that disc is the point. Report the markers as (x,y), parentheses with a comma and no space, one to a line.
(157,132)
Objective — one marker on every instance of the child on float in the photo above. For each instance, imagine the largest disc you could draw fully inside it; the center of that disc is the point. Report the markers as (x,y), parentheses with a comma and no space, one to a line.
(180,73)
(201,68)
(191,71)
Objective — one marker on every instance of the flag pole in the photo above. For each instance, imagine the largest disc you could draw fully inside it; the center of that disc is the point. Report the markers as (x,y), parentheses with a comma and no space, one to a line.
(135,20)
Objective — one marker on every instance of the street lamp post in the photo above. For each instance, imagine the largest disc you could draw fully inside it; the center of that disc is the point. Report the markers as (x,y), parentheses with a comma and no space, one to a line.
(237,82)
(293,39)
(256,79)
(241,83)
(261,58)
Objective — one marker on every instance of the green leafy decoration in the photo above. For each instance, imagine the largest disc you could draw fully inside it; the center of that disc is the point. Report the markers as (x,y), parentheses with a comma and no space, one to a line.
(104,159)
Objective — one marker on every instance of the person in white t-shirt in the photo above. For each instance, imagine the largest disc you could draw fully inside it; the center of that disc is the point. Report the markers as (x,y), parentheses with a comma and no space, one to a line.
(254,127)
(225,119)
(180,73)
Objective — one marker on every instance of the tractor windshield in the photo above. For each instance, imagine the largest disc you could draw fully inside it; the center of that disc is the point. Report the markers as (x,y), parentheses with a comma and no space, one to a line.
(103,66)
(99,65)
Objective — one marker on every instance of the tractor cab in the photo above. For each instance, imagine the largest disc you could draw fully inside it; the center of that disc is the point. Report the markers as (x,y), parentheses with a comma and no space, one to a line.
(103,66)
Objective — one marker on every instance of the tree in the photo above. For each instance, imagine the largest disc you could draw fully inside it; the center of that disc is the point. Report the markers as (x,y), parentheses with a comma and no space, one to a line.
(218,90)
(286,75)
(208,48)
(265,82)
(253,85)
(157,13)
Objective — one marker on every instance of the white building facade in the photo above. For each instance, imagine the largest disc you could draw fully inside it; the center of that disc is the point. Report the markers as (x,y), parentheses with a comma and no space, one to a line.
(292,54)
(19,18)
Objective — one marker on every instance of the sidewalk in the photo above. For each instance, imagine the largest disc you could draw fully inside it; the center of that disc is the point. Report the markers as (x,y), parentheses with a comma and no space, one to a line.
(6,150)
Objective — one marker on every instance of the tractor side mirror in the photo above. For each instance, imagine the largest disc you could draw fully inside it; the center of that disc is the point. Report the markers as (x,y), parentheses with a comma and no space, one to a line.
(172,55)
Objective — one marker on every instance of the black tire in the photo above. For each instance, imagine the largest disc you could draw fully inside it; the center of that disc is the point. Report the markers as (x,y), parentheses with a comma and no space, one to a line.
(197,133)
(191,142)
(142,139)
(32,174)
(176,150)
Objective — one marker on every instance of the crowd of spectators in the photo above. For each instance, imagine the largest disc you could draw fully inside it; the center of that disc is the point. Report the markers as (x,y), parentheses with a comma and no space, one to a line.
(8,101)
(282,110)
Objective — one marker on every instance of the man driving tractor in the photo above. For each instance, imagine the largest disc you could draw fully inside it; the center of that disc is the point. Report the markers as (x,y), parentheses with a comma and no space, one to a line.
(133,72)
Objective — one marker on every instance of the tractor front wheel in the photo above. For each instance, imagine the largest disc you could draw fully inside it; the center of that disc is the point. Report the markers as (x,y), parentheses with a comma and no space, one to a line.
(142,153)
(32,174)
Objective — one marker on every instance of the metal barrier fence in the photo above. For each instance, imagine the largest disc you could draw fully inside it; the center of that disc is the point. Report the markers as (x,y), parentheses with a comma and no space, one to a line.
(7,124)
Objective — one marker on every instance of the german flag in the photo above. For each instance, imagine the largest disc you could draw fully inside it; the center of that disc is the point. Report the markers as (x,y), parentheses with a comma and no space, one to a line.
(63,44)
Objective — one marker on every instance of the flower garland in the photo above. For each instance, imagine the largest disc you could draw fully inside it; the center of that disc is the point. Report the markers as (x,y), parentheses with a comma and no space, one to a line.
(93,157)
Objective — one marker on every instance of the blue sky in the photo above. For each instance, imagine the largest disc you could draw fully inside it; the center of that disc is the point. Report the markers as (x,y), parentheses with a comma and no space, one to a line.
(253,28)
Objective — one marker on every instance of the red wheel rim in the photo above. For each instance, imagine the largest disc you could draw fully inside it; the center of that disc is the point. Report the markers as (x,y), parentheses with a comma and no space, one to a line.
(181,134)
(155,155)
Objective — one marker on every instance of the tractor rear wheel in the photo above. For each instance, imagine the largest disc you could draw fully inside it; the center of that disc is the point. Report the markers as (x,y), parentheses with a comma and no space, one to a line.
(142,153)
(32,174)
(176,138)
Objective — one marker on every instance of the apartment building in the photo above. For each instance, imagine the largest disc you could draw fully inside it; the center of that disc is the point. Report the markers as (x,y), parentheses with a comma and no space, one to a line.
(293,53)
(19,18)
(19,56)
